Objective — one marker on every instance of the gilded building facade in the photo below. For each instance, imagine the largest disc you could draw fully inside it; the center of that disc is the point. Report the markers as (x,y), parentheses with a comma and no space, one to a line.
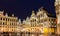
(35,25)
(8,25)
(57,7)
(38,23)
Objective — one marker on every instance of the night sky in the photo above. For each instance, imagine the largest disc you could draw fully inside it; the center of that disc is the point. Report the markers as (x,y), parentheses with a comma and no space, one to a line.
(23,8)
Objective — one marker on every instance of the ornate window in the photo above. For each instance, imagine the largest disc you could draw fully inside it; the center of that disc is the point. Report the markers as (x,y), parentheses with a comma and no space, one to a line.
(0,23)
(1,18)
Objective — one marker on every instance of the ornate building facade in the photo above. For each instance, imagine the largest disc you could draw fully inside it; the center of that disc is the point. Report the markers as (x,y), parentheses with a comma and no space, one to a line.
(8,24)
(57,7)
(35,25)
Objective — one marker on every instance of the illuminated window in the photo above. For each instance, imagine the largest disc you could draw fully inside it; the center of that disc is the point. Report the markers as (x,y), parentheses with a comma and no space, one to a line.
(1,18)
(12,29)
(45,19)
(41,15)
(0,26)
(12,23)
(10,19)
(12,26)
(6,19)
(57,12)
(4,23)
(35,19)
(58,24)
(41,21)
(0,23)
(49,19)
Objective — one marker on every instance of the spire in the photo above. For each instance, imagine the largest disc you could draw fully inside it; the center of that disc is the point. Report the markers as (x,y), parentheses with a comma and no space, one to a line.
(6,14)
(42,8)
(39,10)
(19,20)
(1,12)
(23,20)
(33,13)
(27,18)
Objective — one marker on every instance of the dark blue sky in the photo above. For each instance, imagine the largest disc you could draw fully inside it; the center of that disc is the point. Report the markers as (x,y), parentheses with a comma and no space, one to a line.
(23,8)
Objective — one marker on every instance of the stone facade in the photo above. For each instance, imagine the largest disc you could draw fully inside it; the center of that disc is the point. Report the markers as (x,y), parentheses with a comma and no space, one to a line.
(57,7)
(35,25)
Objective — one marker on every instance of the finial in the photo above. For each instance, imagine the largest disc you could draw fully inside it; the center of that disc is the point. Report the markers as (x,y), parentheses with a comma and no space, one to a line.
(6,14)
(33,13)
(12,14)
(27,17)
(1,12)
(23,20)
(41,8)
(19,20)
